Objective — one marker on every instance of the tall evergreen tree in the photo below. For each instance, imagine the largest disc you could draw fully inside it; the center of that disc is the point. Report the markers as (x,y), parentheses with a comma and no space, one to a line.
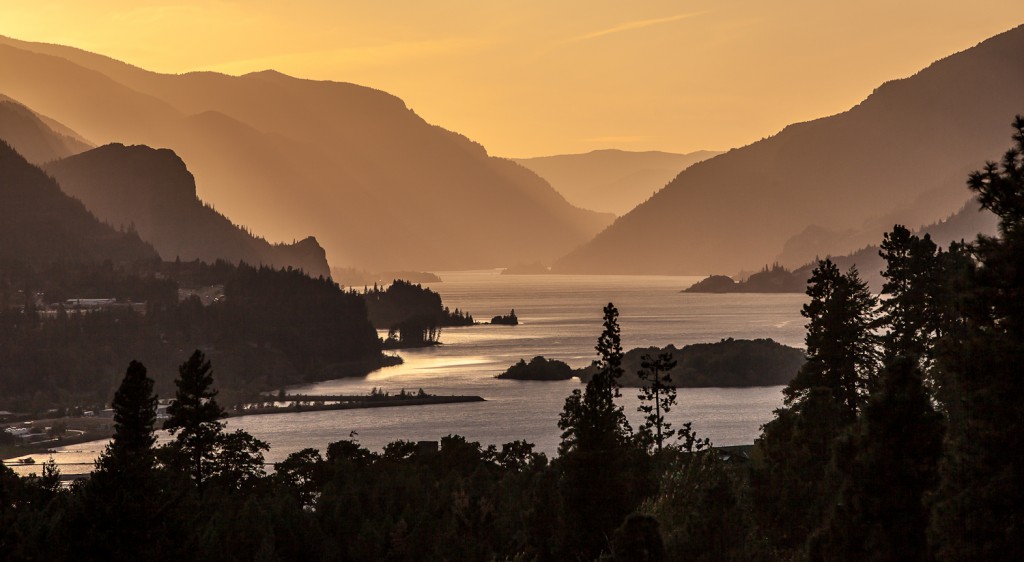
(657,397)
(591,420)
(909,307)
(842,352)
(603,475)
(121,514)
(194,417)
(789,489)
(131,448)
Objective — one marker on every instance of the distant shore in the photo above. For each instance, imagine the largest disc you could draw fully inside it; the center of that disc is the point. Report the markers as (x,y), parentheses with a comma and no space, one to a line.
(311,403)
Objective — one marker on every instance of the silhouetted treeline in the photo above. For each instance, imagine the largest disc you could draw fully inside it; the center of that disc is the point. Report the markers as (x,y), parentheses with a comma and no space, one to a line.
(271,328)
(413,314)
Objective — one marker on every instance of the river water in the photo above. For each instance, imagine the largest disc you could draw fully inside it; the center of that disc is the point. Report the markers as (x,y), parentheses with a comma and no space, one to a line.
(560,318)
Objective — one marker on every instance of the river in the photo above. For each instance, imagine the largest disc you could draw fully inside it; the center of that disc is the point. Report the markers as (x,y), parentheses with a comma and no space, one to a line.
(560,318)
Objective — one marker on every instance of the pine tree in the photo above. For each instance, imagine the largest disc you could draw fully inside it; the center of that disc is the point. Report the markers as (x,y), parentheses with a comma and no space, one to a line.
(591,421)
(842,353)
(121,510)
(910,306)
(789,489)
(603,474)
(657,397)
(131,447)
(194,417)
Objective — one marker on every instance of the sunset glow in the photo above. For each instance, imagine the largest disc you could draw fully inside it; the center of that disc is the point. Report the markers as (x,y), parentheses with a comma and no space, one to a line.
(534,78)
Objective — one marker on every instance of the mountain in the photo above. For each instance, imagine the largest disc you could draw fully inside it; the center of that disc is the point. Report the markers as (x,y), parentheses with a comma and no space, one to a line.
(380,187)
(964,225)
(37,138)
(154,191)
(40,224)
(611,181)
(900,156)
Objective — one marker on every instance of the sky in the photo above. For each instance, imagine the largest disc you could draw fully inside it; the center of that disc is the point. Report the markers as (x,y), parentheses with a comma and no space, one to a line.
(531,78)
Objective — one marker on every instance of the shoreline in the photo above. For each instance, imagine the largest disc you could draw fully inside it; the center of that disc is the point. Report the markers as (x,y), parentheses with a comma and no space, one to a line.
(10,452)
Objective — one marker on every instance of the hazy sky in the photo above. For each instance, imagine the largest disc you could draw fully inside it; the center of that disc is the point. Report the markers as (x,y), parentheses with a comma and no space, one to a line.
(528,78)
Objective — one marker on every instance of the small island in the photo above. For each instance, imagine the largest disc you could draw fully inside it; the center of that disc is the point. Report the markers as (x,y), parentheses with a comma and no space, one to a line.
(776,279)
(413,314)
(509,319)
(538,369)
(727,363)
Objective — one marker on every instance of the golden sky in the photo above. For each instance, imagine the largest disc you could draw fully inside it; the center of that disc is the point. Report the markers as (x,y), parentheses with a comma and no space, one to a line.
(529,78)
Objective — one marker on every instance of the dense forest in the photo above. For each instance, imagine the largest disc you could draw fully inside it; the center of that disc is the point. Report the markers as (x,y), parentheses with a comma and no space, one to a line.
(900,439)
(412,313)
(266,328)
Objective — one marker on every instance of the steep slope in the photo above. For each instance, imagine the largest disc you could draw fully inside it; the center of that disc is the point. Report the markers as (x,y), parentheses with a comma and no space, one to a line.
(379,186)
(611,181)
(902,156)
(964,225)
(35,137)
(40,224)
(154,191)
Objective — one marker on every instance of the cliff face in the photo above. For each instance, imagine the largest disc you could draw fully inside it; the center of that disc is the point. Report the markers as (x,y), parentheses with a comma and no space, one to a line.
(154,191)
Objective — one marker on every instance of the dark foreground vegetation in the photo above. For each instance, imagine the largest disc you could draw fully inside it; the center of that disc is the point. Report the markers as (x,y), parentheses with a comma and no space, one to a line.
(900,439)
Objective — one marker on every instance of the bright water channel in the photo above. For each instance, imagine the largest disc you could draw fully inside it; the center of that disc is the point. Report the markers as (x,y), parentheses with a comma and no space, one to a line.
(560,318)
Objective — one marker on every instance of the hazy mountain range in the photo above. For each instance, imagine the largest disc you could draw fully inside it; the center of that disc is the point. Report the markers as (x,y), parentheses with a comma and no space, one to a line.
(376,184)
(38,138)
(150,191)
(611,181)
(900,156)
(383,189)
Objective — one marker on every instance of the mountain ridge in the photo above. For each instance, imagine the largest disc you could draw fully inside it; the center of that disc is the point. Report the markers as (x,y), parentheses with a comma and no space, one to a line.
(903,153)
(153,190)
(379,187)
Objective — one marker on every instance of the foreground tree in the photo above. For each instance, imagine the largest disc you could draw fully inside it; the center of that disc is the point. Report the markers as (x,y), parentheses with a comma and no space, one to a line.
(194,418)
(979,511)
(822,401)
(130,452)
(909,307)
(604,475)
(842,352)
(591,420)
(884,467)
(657,397)
(124,500)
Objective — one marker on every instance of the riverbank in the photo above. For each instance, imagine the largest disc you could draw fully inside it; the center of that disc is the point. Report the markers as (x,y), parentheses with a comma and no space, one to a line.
(317,403)
(85,429)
